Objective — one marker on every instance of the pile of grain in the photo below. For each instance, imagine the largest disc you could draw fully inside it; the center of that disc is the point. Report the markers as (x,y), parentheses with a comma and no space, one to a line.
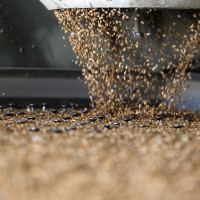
(43,158)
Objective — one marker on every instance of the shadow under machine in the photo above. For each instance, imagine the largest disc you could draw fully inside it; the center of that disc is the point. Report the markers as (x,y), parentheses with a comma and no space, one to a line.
(35,66)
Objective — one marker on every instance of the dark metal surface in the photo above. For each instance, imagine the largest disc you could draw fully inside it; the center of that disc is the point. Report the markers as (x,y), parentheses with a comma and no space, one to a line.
(51,87)
(12,72)
(51,102)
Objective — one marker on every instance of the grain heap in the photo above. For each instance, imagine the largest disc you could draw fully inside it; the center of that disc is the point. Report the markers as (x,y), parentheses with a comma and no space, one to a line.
(116,66)
(71,154)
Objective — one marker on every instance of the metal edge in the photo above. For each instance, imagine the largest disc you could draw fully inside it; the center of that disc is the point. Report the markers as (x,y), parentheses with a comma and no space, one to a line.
(174,4)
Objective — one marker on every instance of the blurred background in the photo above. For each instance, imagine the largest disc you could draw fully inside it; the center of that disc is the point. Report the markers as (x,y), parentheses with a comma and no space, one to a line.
(30,36)
(34,64)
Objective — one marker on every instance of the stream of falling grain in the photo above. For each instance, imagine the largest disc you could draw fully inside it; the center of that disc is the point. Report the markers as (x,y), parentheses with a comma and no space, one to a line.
(117,66)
